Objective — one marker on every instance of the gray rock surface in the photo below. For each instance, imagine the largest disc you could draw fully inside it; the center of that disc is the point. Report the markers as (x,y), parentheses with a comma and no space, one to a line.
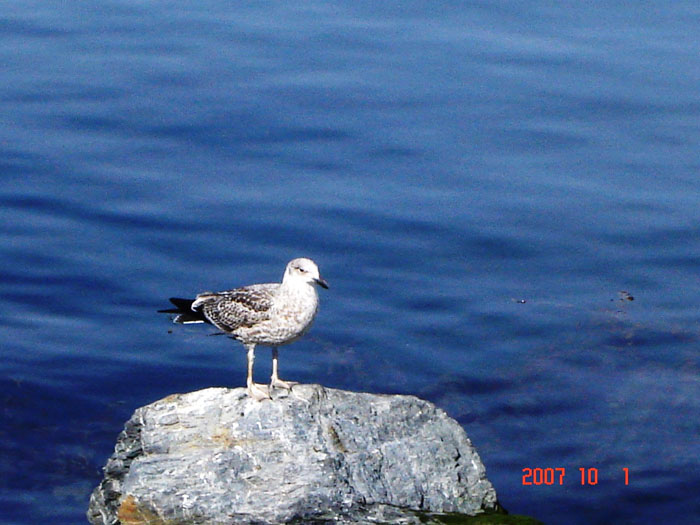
(314,455)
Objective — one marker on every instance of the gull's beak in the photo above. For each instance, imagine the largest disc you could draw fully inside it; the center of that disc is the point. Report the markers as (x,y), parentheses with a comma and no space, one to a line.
(322,282)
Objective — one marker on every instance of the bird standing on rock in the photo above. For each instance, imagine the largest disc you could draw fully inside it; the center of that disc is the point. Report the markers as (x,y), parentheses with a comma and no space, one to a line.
(271,314)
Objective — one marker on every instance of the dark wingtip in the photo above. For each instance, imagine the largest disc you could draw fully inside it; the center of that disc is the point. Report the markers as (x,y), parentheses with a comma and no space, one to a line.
(183,306)
(184,312)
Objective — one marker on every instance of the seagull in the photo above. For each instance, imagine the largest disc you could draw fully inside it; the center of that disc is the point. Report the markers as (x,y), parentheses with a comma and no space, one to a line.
(270,314)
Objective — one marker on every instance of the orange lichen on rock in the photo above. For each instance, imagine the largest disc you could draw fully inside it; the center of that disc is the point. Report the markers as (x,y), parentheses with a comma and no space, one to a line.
(131,513)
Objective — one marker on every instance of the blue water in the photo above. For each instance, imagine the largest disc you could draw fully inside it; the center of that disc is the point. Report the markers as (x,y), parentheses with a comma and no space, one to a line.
(485,186)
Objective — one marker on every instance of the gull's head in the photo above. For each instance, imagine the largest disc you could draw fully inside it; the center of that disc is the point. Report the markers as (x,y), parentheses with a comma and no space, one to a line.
(303,271)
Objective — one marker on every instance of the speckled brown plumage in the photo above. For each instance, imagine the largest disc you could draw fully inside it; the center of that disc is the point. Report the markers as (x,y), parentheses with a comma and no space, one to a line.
(233,309)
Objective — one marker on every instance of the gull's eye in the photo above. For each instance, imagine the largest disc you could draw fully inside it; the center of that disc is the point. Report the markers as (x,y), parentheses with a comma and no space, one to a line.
(301,270)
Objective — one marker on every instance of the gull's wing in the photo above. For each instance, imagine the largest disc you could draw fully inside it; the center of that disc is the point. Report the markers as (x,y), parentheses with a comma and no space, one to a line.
(241,307)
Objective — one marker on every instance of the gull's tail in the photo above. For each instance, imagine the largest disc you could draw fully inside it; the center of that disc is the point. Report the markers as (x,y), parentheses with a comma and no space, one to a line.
(185,314)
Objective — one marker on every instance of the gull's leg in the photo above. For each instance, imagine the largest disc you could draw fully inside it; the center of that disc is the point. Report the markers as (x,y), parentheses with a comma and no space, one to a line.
(275,381)
(256,391)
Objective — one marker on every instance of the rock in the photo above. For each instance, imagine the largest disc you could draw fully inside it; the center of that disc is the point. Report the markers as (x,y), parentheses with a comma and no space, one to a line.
(313,455)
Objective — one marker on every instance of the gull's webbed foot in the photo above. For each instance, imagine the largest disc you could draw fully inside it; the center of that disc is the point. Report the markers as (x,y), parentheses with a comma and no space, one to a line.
(258,391)
(276,382)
